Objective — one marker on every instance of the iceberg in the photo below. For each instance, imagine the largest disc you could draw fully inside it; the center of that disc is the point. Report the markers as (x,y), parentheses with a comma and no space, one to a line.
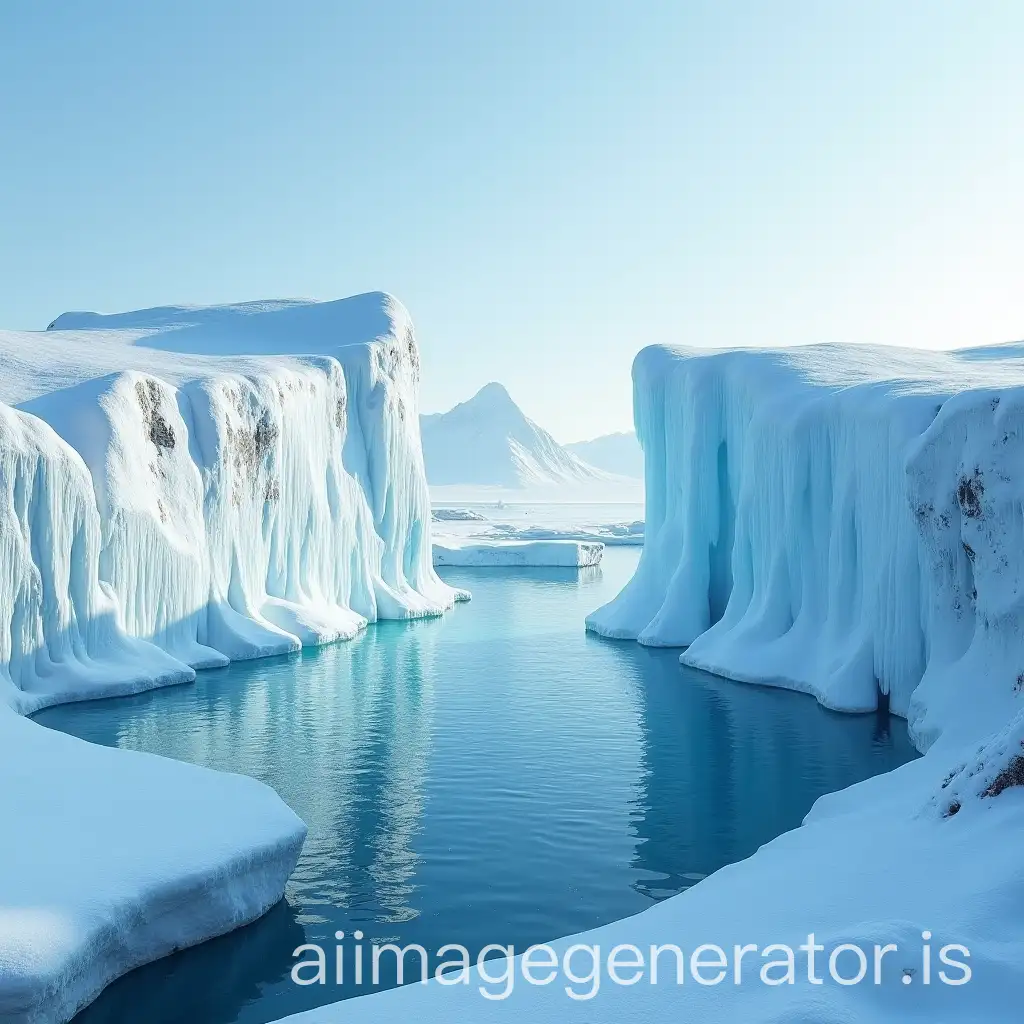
(227,502)
(613,524)
(179,488)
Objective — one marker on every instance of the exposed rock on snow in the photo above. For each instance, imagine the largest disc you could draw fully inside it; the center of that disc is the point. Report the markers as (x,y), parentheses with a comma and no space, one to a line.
(839,521)
(518,552)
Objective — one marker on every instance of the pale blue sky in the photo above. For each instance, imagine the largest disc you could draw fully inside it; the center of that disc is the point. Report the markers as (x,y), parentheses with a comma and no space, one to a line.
(547,185)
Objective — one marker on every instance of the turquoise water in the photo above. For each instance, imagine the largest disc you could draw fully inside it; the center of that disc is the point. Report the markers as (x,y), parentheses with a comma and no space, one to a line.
(497,775)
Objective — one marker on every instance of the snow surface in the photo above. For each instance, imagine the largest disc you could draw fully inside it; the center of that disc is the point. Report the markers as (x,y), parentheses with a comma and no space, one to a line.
(456,515)
(845,521)
(487,446)
(112,858)
(625,534)
(518,552)
(181,487)
(614,453)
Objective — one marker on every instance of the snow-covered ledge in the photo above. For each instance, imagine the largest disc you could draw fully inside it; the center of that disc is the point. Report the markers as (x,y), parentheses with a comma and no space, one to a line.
(845,521)
(181,487)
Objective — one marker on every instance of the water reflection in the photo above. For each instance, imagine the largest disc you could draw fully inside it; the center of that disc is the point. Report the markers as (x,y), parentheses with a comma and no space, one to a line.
(493,776)
(728,766)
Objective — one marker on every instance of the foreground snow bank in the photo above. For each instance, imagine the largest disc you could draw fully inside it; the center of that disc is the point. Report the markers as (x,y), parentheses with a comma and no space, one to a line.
(518,552)
(113,858)
(871,866)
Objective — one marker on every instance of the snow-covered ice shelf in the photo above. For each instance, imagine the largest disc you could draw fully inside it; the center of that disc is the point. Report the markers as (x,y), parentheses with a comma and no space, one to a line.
(170,479)
(507,553)
(181,487)
(614,534)
(609,523)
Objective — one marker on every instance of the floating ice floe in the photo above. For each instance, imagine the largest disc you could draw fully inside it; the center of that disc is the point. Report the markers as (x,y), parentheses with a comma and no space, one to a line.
(518,552)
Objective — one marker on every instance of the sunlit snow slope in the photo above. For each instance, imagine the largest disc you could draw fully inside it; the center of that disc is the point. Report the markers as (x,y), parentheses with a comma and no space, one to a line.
(614,453)
(220,483)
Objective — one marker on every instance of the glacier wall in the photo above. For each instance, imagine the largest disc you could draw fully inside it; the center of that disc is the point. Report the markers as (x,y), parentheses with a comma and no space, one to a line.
(60,631)
(174,510)
(840,520)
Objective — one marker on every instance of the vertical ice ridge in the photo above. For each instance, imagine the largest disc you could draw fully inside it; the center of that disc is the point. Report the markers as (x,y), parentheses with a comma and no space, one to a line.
(824,520)
(61,631)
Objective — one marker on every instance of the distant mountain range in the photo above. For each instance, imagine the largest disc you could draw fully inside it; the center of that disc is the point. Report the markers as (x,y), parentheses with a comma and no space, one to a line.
(614,453)
(488,441)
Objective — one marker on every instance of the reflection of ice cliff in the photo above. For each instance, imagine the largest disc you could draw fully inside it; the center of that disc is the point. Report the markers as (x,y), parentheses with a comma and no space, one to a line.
(840,521)
(368,780)
(724,765)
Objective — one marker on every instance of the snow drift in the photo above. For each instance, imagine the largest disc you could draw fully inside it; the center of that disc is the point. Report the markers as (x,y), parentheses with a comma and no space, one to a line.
(114,858)
(181,487)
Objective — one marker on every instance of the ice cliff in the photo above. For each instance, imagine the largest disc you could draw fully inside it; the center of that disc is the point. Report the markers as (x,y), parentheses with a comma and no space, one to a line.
(840,520)
(219,483)
(181,487)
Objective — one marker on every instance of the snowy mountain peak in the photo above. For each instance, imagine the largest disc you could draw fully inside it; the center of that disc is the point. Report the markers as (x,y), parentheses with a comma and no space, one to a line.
(489,441)
(491,402)
(493,394)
